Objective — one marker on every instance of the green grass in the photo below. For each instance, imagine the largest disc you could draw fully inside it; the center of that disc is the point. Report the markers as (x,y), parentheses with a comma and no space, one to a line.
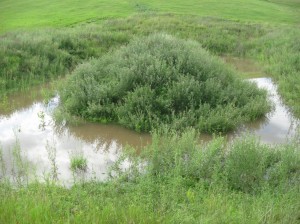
(32,14)
(183,182)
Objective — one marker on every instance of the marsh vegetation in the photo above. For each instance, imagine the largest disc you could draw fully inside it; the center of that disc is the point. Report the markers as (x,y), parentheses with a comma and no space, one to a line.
(151,72)
(175,179)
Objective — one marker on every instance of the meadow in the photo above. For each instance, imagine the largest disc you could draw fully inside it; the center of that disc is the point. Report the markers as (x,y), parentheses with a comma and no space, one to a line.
(175,179)
(32,14)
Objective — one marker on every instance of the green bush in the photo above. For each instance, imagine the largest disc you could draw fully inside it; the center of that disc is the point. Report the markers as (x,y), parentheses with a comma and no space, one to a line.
(246,164)
(160,80)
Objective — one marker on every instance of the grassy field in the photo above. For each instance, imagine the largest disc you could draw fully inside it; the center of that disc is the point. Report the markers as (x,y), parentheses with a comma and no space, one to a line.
(57,13)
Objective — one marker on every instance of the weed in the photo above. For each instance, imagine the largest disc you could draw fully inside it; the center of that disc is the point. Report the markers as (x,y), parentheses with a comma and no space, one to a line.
(41,116)
(20,168)
(2,164)
(78,163)
(51,150)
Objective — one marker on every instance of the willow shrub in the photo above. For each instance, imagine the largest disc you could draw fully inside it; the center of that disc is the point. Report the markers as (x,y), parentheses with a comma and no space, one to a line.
(162,81)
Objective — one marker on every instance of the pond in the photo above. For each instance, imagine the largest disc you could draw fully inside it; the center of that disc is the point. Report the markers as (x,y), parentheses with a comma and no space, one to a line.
(31,126)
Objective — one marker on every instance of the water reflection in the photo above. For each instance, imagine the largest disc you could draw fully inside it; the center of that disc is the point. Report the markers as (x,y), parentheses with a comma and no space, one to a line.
(35,129)
(100,144)
(279,124)
(22,99)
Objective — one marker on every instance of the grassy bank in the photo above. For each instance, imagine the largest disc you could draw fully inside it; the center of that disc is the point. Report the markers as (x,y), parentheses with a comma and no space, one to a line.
(183,182)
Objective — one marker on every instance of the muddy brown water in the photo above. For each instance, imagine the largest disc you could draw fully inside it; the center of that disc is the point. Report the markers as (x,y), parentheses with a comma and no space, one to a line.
(32,125)
(99,144)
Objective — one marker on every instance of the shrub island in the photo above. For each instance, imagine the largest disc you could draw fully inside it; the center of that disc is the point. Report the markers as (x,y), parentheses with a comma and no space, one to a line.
(160,81)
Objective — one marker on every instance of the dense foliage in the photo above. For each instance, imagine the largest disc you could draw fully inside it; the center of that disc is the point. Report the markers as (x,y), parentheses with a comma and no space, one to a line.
(160,80)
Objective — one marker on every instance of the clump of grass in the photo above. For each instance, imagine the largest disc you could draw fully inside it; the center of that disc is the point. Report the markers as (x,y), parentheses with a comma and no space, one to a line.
(78,163)
(162,81)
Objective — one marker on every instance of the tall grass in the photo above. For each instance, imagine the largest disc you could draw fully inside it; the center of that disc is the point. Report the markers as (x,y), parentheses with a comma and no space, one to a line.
(180,181)
(42,56)
(279,50)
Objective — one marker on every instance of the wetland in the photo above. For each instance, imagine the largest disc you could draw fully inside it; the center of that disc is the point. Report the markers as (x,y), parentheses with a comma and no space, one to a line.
(170,134)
